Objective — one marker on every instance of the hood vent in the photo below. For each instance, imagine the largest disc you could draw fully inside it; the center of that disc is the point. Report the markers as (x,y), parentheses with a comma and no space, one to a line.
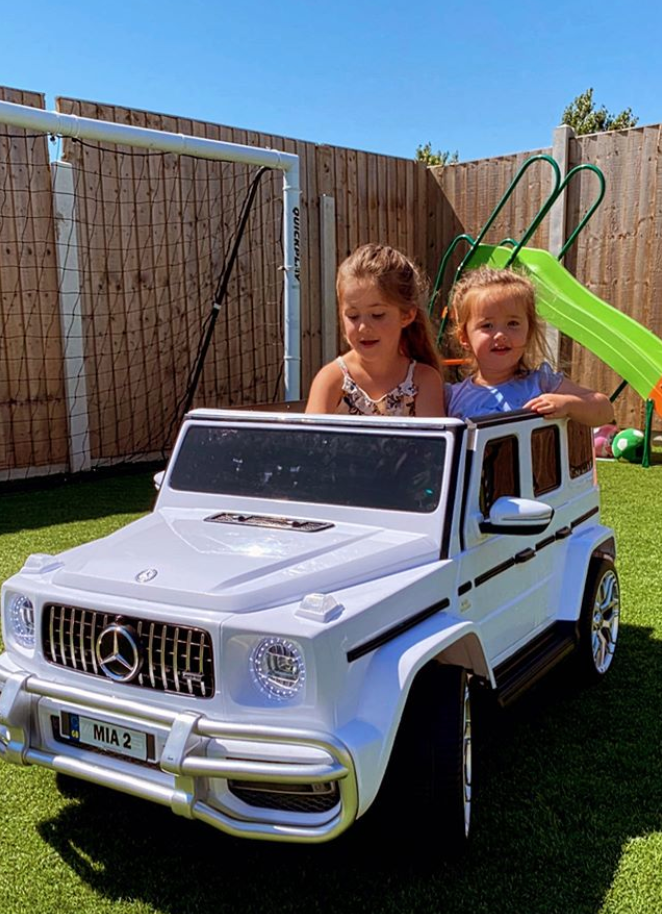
(265,520)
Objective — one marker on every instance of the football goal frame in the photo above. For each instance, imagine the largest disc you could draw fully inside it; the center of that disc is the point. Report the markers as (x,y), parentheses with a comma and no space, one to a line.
(56,124)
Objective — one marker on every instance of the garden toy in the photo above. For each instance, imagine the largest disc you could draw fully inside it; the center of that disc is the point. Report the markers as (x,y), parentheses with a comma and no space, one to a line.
(293,638)
(629,445)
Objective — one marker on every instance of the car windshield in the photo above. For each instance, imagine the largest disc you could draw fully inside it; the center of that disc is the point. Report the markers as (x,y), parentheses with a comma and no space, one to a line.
(392,471)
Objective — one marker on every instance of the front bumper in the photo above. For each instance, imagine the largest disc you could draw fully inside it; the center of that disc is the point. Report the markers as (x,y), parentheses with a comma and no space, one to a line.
(197,757)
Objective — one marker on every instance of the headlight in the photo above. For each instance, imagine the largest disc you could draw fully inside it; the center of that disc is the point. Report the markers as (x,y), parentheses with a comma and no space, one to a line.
(278,668)
(20,614)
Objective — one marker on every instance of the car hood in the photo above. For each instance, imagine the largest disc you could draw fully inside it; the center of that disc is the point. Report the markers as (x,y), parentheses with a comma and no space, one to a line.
(182,559)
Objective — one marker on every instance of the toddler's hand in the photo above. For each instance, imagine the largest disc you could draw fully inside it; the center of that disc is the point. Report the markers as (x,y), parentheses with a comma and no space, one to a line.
(554,406)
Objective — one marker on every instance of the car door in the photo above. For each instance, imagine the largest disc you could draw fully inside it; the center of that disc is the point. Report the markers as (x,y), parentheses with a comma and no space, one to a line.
(505,584)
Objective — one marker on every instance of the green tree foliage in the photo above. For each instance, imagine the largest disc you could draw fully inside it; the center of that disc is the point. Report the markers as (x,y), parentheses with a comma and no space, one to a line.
(424,154)
(582,115)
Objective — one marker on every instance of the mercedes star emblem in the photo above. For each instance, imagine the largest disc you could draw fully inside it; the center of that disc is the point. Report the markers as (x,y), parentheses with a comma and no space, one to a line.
(118,653)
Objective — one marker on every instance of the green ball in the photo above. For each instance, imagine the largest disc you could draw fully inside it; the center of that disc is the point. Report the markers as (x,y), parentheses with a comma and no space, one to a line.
(629,445)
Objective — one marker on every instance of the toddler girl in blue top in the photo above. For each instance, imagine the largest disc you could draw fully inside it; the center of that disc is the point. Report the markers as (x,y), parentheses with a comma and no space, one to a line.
(498,327)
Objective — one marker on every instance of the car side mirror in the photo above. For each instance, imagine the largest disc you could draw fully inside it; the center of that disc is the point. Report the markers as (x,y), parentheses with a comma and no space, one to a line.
(158,479)
(517,516)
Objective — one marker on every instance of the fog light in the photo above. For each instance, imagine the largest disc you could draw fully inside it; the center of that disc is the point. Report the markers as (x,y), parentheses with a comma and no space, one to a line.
(21,619)
(278,667)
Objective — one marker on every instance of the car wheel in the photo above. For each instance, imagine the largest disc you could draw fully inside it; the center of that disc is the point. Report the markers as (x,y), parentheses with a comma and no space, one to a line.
(429,779)
(598,621)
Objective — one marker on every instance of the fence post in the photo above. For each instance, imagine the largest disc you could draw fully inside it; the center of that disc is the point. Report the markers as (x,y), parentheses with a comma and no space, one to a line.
(557,219)
(328,258)
(69,301)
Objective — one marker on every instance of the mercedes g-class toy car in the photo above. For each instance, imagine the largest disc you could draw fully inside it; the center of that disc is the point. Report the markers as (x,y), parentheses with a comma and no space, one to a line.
(292,634)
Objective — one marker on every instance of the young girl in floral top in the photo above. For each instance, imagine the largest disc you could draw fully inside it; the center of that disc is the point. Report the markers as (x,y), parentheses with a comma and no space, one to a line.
(392,367)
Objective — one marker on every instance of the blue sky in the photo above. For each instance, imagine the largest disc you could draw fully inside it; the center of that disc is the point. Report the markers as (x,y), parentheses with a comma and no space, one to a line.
(482,78)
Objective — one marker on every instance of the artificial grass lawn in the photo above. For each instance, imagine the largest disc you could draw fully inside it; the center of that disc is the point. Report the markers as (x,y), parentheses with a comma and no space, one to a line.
(569,805)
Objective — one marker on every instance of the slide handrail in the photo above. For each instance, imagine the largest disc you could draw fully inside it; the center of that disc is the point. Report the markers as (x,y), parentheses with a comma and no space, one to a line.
(474,243)
(603,186)
(537,219)
(442,266)
(442,269)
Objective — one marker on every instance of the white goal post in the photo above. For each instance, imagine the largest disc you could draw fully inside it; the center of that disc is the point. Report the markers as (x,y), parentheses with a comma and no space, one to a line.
(69,125)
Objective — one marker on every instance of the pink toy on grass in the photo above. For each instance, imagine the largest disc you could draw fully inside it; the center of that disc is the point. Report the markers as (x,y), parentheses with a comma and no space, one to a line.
(602,439)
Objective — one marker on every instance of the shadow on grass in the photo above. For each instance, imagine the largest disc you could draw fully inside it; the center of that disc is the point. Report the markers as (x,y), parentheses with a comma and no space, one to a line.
(566,778)
(68,500)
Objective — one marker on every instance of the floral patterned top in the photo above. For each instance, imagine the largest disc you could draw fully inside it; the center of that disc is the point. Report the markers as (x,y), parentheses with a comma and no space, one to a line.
(400,401)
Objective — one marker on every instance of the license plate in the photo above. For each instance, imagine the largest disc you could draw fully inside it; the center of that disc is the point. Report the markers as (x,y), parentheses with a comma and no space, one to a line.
(101,735)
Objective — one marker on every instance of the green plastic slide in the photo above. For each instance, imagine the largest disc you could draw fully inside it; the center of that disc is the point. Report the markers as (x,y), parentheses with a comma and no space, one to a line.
(631,350)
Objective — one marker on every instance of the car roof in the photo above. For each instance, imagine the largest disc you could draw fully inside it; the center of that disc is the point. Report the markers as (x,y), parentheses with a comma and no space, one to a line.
(408,423)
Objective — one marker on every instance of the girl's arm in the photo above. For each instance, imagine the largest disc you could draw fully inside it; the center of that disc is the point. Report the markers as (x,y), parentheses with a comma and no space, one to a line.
(569,399)
(326,390)
(430,401)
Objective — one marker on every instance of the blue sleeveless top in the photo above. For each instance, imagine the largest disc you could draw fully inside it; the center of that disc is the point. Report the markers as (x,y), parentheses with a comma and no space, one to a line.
(470,399)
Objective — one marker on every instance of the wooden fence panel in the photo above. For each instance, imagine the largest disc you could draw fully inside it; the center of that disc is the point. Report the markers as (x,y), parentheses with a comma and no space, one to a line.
(171,235)
(33,425)
(618,255)
(154,233)
(376,198)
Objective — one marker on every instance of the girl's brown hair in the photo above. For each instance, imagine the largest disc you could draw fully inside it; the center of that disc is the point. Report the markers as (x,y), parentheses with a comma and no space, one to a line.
(401,283)
(511,284)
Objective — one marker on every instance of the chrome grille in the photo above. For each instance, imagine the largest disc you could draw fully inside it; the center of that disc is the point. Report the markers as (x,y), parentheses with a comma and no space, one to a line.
(290,797)
(175,658)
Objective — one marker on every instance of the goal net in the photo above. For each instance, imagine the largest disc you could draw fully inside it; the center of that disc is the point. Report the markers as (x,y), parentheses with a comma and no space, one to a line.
(135,282)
